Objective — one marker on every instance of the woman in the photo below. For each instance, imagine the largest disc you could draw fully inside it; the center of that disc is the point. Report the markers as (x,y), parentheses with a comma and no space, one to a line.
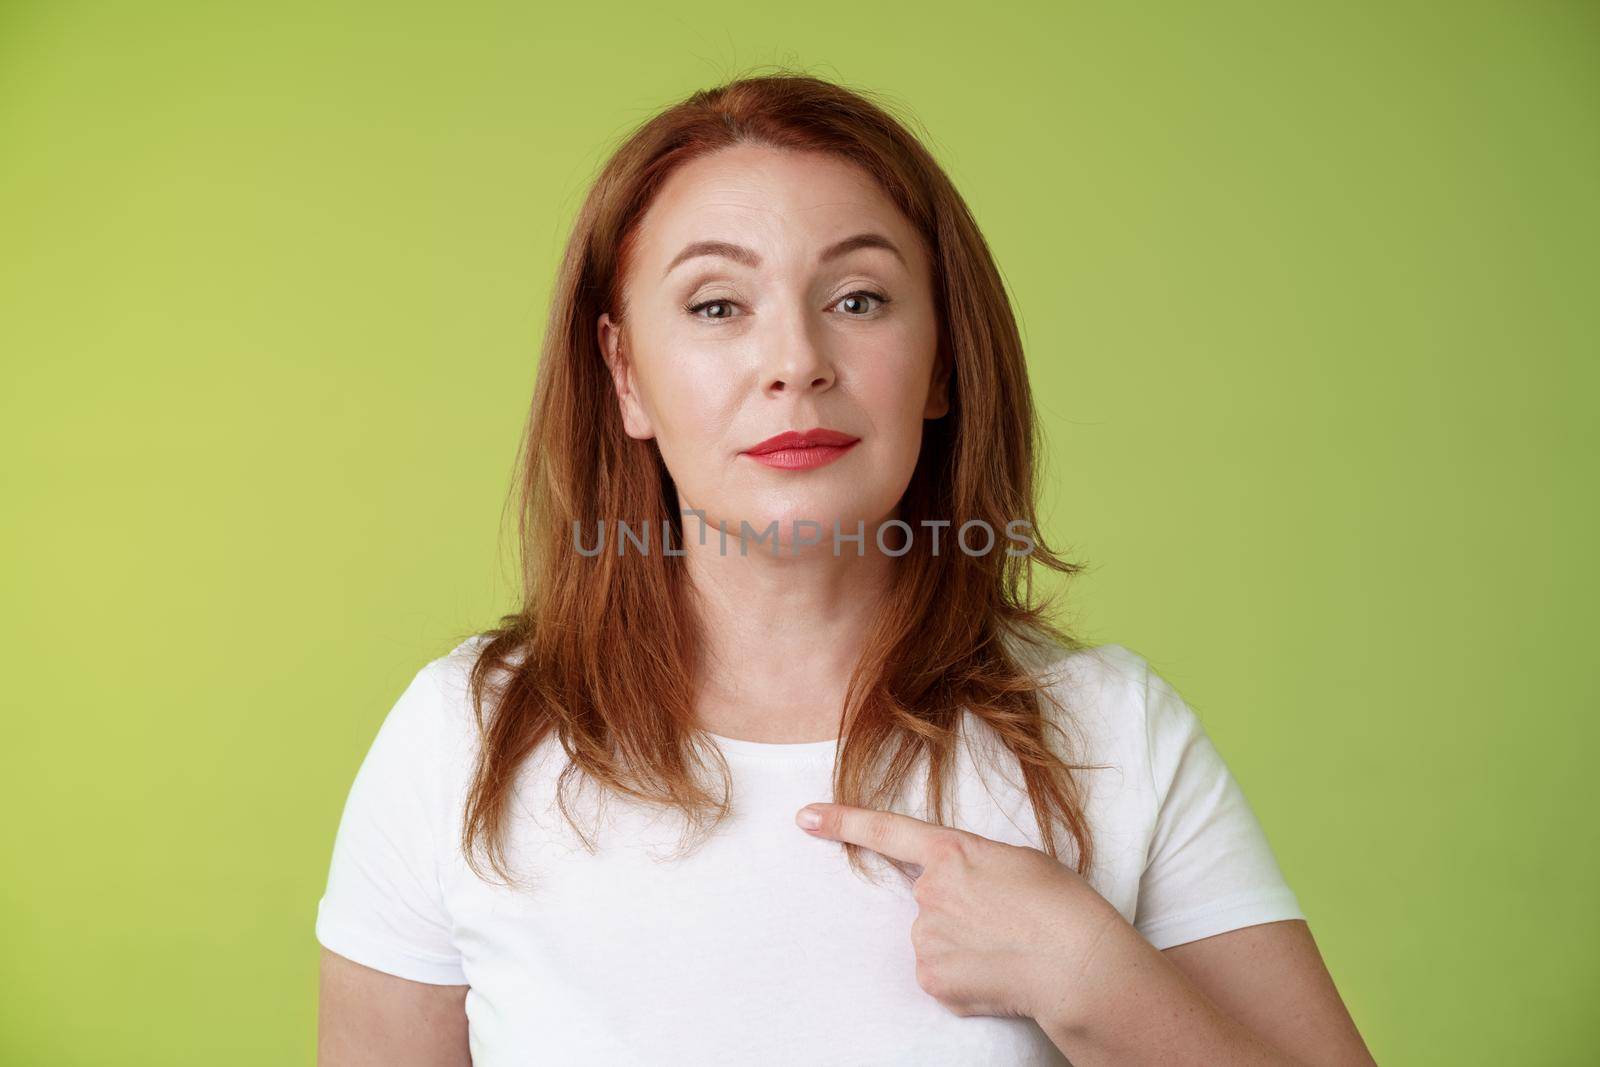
(778,530)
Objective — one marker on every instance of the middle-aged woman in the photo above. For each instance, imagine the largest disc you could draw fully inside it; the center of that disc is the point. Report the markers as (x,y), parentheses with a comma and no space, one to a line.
(782,761)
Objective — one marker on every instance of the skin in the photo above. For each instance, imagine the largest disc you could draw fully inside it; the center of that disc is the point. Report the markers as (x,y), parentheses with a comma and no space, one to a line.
(366,1018)
(789,342)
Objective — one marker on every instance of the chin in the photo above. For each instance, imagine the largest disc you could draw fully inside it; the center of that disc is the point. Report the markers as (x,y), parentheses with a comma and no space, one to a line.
(793,518)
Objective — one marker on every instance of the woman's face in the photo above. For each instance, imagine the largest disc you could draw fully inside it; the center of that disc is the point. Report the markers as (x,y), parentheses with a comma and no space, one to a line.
(752,309)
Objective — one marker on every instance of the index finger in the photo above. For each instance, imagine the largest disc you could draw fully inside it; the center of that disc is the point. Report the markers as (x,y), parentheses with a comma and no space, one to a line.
(897,836)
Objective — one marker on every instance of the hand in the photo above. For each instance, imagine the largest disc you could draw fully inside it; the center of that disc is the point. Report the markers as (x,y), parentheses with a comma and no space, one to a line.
(1001,929)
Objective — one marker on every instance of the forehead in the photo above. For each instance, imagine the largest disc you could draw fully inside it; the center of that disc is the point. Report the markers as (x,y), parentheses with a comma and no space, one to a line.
(781,199)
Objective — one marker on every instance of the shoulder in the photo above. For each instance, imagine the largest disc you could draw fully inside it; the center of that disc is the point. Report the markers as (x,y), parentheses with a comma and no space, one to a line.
(1091,706)
(1107,702)
(1100,687)
(1119,709)
(437,708)
(1108,673)
(453,670)
(451,673)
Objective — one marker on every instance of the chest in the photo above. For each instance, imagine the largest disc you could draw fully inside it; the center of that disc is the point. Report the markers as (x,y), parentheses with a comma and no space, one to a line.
(758,944)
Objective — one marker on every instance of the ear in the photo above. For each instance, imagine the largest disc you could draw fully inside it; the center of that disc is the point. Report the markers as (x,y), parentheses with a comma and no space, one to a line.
(939,388)
(634,419)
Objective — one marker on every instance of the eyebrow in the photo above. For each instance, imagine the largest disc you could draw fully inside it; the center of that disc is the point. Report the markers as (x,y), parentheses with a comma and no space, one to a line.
(748,257)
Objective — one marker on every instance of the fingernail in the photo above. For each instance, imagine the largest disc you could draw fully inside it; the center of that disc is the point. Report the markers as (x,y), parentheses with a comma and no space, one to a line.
(809,817)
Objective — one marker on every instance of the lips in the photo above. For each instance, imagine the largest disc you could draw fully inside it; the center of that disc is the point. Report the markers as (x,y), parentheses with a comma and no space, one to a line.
(790,440)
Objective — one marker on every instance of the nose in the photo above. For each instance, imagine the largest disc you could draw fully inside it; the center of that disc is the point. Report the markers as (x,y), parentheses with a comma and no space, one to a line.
(795,361)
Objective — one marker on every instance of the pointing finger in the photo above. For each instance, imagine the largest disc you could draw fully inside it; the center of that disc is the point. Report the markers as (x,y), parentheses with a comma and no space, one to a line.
(894,835)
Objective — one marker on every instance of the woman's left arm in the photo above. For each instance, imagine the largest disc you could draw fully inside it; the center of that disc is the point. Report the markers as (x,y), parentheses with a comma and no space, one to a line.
(1007,930)
(1259,994)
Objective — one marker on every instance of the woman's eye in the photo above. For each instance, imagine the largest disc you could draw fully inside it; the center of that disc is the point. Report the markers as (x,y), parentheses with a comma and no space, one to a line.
(724,309)
(858,302)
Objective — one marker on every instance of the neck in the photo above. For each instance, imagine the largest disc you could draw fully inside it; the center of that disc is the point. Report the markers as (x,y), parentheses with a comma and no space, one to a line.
(782,632)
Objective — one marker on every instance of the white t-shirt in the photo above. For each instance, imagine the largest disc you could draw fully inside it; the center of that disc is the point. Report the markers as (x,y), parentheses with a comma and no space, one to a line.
(762,946)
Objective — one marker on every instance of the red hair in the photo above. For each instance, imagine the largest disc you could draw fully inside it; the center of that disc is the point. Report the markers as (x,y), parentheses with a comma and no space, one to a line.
(600,654)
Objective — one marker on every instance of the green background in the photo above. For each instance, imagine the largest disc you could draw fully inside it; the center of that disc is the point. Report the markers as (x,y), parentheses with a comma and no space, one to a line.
(1309,293)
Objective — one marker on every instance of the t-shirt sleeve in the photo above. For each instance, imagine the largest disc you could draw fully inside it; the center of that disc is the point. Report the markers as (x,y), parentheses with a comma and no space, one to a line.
(1209,867)
(382,906)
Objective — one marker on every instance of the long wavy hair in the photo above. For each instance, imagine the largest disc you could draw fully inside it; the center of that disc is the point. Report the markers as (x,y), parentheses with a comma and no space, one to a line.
(601,653)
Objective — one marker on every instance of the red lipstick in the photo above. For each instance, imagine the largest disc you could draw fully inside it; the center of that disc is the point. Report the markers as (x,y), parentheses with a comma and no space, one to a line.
(793,450)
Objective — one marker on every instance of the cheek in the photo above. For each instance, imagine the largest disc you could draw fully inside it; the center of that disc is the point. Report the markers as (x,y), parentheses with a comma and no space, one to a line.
(691,400)
(894,391)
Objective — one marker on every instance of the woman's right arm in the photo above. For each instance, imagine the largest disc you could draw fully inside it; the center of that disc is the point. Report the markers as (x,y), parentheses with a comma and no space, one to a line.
(392,986)
(366,1018)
